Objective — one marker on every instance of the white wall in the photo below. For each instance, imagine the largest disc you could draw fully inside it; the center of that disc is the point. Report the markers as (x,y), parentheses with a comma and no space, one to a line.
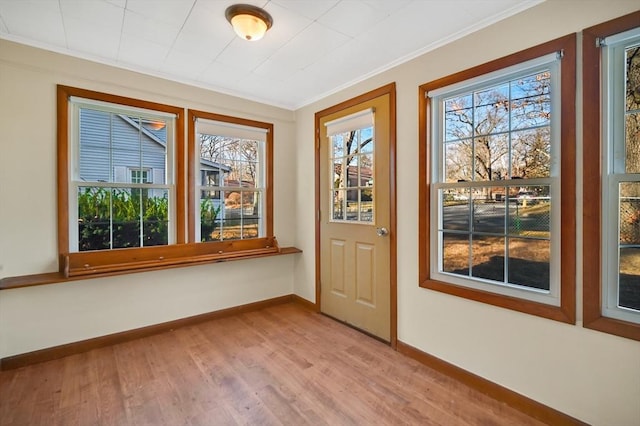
(586,374)
(44,316)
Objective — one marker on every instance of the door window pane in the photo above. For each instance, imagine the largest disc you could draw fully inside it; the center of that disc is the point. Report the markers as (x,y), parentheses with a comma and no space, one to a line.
(352,167)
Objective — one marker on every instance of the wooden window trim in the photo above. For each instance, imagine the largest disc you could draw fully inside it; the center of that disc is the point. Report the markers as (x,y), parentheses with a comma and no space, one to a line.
(93,264)
(193,115)
(98,257)
(566,311)
(592,181)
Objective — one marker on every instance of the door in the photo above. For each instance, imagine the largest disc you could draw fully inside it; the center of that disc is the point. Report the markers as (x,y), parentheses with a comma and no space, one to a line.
(355,211)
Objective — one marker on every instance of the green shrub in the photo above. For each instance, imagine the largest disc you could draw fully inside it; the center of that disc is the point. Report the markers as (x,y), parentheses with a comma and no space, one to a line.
(208,215)
(111,218)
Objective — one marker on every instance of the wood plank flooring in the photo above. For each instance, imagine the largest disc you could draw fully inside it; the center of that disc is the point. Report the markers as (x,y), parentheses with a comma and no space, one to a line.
(283,365)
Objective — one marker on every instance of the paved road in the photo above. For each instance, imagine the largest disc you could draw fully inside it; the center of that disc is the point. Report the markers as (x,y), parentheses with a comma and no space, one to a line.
(490,217)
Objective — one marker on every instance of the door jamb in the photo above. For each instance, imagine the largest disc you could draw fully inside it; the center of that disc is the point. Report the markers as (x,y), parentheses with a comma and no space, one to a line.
(389,89)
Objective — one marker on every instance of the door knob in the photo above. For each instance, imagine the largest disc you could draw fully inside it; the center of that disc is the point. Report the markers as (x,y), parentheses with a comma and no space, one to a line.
(381,232)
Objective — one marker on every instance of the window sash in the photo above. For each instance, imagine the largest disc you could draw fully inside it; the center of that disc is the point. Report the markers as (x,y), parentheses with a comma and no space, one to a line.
(75,104)
(233,131)
(552,63)
(614,166)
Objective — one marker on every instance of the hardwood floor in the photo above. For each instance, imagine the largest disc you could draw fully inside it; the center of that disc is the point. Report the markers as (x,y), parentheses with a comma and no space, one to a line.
(280,365)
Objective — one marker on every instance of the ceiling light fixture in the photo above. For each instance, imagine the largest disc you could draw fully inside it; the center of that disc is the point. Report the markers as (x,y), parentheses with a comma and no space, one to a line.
(249,22)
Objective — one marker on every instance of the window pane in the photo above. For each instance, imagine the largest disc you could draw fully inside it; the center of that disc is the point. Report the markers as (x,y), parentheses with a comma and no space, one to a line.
(338,205)
(488,214)
(366,205)
(337,141)
(366,140)
(455,253)
(94,145)
(366,170)
(238,218)
(127,139)
(632,123)
(531,101)
(352,204)
(94,218)
(338,176)
(488,257)
(629,290)
(531,153)
(458,161)
(458,118)
(530,212)
(492,110)
(251,211)
(126,203)
(155,217)
(629,213)
(455,209)
(351,142)
(210,214)
(153,137)
(629,245)
(352,171)
(632,141)
(529,262)
(491,160)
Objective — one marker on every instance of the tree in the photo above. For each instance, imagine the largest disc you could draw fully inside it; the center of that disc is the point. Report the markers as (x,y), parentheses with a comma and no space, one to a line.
(632,122)
(501,132)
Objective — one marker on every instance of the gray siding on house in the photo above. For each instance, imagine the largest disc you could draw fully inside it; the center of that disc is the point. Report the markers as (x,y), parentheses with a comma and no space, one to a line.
(111,145)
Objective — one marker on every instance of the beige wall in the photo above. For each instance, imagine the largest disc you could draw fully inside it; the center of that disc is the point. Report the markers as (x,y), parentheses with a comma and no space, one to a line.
(590,375)
(44,316)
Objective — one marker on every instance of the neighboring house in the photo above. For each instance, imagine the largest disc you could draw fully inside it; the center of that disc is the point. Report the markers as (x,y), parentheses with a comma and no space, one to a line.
(212,174)
(137,149)
(117,148)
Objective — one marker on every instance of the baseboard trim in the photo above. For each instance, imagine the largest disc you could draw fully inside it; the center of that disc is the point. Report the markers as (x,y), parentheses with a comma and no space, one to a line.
(520,402)
(305,303)
(55,352)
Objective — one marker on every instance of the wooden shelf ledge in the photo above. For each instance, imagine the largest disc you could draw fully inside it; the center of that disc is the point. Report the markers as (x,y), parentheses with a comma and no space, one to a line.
(114,269)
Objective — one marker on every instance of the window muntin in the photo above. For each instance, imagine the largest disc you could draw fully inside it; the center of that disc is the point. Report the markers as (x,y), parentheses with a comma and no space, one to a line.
(621,180)
(231,184)
(495,174)
(114,149)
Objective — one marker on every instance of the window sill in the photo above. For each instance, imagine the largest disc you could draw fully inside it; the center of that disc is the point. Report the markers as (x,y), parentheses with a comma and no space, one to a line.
(556,313)
(159,258)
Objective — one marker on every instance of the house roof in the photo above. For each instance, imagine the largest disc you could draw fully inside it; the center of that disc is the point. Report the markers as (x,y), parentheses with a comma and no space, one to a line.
(212,165)
(204,163)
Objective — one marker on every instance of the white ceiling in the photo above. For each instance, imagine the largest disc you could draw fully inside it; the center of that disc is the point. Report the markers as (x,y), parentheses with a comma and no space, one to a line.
(314,48)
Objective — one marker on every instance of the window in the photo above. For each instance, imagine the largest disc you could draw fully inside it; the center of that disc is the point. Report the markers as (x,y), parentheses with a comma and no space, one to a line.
(497,219)
(122,200)
(231,162)
(140,175)
(612,198)
(351,162)
(120,187)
